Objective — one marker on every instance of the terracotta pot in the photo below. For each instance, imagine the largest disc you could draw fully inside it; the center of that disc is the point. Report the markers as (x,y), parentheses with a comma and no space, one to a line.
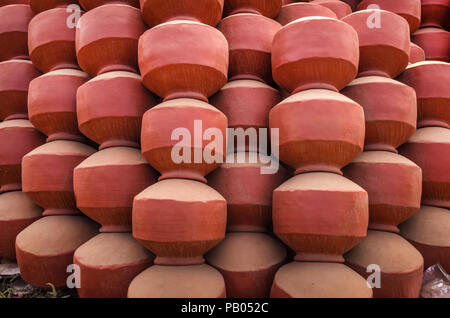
(416,54)
(318,280)
(247,187)
(105,185)
(156,12)
(353,4)
(14,21)
(179,220)
(17,211)
(91,4)
(408,9)
(435,42)
(45,248)
(183,59)
(435,13)
(319,130)
(17,138)
(330,66)
(394,186)
(429,148)
(174,138)
(390,111)
(15,76)
(43,5)
(320,215)
(197,281)
(340,8)
(248,262)
(267,8)
(299,10)
(52,104)
(8,2)
(400,264)
(47,175)
(428,232)
(110,109)
(108,263)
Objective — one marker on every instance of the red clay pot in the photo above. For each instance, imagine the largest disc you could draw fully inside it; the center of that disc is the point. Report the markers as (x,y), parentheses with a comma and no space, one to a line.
(52,104)
(180,127)
(17,211)
(390,111)
(353,4)
(15,76)
(47,175)
(429,148)
(416,54)
(8,2)
(394,186)
(435,13)
(267,8)
(14,21)
(105,185)
(248,262)
(157,12)
(430,81)
(299,10)
(197,281)
(318,280)
(340,8)
(320,215)
(179,220)
(428,232)
(45,248)
(183,59)
(400,263)
(330,66)
(435,42)
(110,109)
(17,138)
(319,130)
(408,9)
(91,4)
(43,5)
(108,263)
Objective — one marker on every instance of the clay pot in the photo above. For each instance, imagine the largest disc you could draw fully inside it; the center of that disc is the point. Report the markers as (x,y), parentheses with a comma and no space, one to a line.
(247,187)
(428,232)
(197,281)
(157,12)
(408,9)
(108,263)
(183,59)
(52,104)
(394,186)
(435,42)
(416,54)
(47,175)
(430,81)
(320,215)
(105,185)
(14,21)
(267,8)
(45,248)
(8,2)
(248,262)
(429,148)
(15,76)
(107,39)
(352,3)
(340,8)
(91,4)
(299,10)
(179,220)
(319,130)
(435,13)
(400,264)
(175,138)
(43,5)
(330,66)
(17,211)
(390,111)
(110,109)
(17,138)
(318,280)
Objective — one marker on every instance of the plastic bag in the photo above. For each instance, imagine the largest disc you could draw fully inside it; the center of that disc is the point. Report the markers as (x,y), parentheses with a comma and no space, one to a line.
(435,283)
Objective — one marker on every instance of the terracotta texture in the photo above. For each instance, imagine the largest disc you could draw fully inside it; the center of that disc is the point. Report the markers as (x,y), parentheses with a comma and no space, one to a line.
(8,2)
(179,220)
(300,65)
(435,13)
(17,211)
(416,54)
(43,5)
(105,185)
(297,10)
(183,59)
(400,263)
(352,3)
(429,148)
(340,8)
(390,111)
(435,42)
(108,263)
(45,248)
(17,138)
(248,262)
(91,4)
(47,175)
(15,76)
(267,8)
(110,109)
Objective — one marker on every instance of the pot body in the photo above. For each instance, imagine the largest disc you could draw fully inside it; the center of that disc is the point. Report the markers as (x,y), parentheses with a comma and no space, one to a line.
(43,5)
(92,4)
(435,13)
(299,10)
(267,8)
(340,8)
(435,42)
(416,54)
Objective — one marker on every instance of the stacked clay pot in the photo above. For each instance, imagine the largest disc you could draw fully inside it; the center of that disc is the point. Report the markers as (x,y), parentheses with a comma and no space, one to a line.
(296,10)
